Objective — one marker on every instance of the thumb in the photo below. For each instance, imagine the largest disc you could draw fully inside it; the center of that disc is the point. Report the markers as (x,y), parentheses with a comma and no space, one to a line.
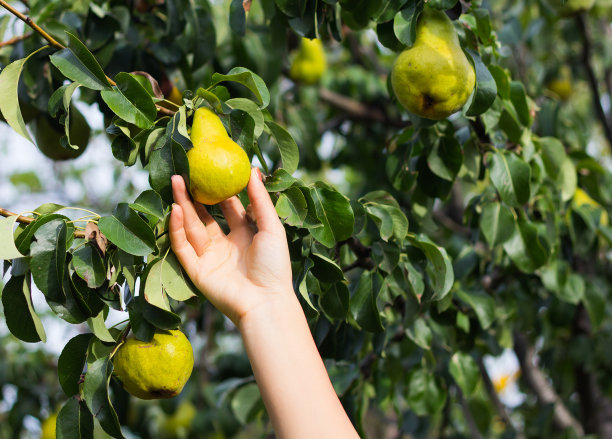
(263,210)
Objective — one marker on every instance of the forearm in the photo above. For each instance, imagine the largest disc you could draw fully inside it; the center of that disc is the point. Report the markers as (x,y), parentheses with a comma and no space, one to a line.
(291,376)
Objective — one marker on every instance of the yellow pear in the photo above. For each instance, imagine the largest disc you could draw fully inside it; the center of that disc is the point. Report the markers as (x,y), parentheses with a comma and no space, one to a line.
(581,198)
(561,85)
(218,166)
(433,78)
(48,427)
(155,369)
(309,63)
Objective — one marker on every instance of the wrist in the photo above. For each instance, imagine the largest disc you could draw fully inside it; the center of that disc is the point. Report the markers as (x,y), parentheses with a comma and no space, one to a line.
(283,303)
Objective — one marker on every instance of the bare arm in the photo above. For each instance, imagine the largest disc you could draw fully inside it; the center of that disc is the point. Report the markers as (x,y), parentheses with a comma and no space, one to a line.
(247,276)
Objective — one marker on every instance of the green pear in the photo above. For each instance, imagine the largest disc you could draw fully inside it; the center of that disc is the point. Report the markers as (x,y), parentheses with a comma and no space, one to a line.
(309,63)
(433,78)
(48,132)
(218,167)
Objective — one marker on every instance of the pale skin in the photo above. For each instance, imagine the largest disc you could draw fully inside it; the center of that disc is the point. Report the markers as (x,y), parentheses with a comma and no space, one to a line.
(246,274)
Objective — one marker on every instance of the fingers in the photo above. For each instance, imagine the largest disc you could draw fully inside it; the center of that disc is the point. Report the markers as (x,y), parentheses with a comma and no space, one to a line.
(178,239)
(212,227)
(192,226)
(263,209)
(234,213)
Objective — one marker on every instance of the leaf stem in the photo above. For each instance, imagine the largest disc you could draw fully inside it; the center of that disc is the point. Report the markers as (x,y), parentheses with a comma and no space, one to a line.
(27,220)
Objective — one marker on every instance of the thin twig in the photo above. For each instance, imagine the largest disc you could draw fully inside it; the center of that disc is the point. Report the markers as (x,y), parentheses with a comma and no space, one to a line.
(587,49)
(490,388)
(357,110)
(27,20)
(27,220)
(16,39)
(540,385)
(467,415)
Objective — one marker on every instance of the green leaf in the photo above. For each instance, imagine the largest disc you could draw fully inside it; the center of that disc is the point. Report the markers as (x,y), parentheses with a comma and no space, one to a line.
(9,101)
(334,212)
(71,363)
(291,207)
(446,158)
(280,181)
(250,80)
(74,421)
(24,239)
(176,284)
(95,393)
(363,304)
(518,96)
(502,80)
(439,266)
(511,177)
(405,22)
(252,109)
(149,202)
(527,247)
(573,291)
(168,158)
(465,372)
(289,151)
(151,285)
(98,327)
(482,304)
(21,318)
(594,301)
(496,223)
(49,259)
(420,334)
(130,101)
(386,213)
(246,401)
(325,269)
(237,18)
(335,301)
(242,128)
(425,394)
(78,64)
(553,155)
(88,299)
(128,231)
(486,88)
(8,249)
(89,265)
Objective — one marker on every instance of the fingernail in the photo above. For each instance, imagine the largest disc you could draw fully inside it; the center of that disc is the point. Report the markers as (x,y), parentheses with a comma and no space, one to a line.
(258,174)
(174,205)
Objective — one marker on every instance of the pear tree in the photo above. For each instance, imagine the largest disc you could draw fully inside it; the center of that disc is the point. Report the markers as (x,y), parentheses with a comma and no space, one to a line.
(435,219)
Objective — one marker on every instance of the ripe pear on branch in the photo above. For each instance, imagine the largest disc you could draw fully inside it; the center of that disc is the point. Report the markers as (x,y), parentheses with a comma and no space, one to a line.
(433,78)
(218,167)
(309,63)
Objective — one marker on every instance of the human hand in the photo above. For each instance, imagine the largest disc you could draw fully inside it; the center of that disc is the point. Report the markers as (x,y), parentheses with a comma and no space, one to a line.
(239,271)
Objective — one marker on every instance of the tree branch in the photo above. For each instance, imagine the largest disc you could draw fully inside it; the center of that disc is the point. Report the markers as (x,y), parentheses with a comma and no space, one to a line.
(362,252)
(538,382)
(490,388)
(27,20)
(467,415)
(15,40)
(587,48)
(28,220)
(356,110)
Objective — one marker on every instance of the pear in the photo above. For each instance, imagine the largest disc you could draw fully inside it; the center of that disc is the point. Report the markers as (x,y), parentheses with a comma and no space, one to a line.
(218,166)
(433,78)
(309,63)
(48,132)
